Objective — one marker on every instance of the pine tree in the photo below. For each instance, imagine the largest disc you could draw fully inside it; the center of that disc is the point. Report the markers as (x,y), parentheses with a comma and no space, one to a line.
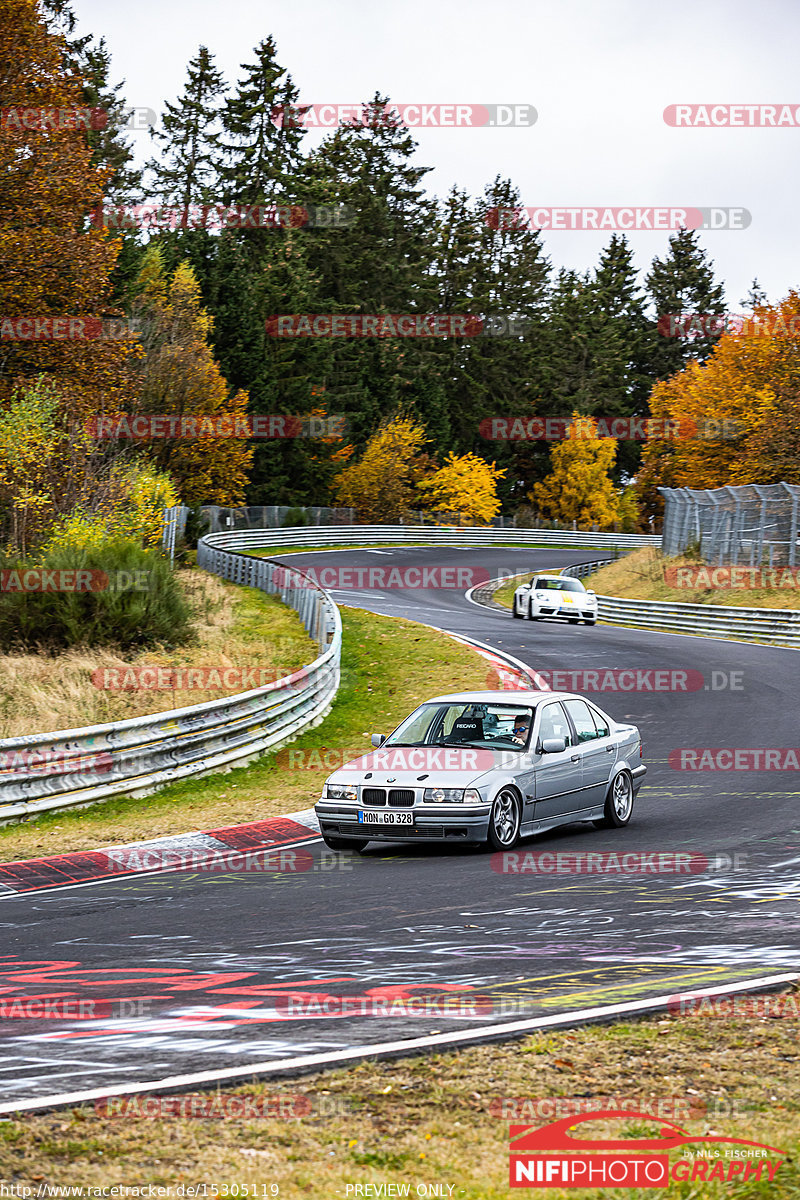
(262,149)
(90,63)
(189,173)
(683,282)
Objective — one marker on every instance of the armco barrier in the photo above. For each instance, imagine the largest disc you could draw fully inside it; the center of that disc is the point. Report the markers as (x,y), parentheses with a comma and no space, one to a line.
(76,767)
(775,626)
(428,535)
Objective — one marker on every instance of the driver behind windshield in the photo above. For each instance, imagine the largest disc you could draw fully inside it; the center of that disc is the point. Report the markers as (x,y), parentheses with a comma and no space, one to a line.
(521,727)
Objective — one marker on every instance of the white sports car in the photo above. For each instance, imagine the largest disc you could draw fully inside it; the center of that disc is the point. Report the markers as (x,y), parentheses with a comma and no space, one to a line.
(555,596)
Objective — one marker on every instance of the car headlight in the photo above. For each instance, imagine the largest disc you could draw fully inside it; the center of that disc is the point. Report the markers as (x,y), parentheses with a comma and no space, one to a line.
(340,791)
(439,795)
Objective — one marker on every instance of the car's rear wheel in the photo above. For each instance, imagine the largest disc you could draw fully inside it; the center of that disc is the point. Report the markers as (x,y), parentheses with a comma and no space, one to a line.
(619,803)
(504,820)
(338,843)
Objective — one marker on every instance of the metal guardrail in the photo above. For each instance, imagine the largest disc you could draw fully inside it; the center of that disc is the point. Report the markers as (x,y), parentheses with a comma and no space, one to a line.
(436,535)
(774,626)
(76,767)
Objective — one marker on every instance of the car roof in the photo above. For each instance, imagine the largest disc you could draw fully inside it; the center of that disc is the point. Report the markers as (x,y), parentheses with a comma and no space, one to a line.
(507,697)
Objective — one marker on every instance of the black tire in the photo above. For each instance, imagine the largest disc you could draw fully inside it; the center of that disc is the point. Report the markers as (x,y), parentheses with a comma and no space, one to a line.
(619,803)
(504,820)
(573,620)
(339,843)
(516,614)
(531,617)
(587,621)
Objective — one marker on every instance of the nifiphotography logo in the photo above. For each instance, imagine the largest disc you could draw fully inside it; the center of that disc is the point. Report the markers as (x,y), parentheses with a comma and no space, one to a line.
(553,1156)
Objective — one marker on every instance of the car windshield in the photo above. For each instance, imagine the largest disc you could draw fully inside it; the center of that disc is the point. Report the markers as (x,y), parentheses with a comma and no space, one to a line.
(500,726)
(558,585)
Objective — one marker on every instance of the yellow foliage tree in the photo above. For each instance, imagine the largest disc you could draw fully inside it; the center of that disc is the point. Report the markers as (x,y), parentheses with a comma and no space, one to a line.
(179,377)
(579,487)
(739,412)
(381,486)
(134,508)
(465,488)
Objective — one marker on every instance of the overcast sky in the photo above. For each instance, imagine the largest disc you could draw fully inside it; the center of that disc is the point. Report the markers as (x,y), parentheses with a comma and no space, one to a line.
(599,73)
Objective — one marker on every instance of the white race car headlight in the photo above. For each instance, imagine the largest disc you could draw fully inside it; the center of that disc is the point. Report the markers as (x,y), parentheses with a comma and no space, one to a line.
(340,791)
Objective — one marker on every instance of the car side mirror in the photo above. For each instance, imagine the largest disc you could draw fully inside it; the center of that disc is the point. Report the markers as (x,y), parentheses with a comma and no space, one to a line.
(553,745)
(378,739)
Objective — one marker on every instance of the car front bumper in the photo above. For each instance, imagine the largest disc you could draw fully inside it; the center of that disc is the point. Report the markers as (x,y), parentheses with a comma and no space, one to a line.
(432,823)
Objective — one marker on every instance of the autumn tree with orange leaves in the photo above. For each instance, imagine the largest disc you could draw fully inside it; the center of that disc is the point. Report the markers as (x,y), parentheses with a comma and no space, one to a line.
(55,265)
(738,413)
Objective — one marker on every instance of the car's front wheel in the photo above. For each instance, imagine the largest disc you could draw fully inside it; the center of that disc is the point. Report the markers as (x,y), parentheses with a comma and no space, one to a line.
(337,843)
(590,621)
(515,611)
(504,821)
(532,616)
(619,803)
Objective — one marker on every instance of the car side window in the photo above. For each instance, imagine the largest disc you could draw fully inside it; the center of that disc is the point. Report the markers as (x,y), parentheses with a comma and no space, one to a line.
(553,724)
(582,720)
(600,721)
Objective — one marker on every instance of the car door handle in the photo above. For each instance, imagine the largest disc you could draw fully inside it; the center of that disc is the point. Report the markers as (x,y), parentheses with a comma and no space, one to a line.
(575,758)
(609,749)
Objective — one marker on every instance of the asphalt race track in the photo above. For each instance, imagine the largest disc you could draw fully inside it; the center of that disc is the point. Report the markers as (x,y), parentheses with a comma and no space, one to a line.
(204,961)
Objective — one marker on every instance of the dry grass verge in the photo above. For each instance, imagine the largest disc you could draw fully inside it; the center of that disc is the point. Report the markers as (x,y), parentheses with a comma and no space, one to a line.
(233,627)
(438,1119)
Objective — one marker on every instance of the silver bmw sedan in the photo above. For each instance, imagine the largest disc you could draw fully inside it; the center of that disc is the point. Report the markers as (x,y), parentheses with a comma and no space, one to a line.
(486,767)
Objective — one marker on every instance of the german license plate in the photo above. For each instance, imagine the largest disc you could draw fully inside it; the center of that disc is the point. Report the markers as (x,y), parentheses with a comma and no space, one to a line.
(377,816)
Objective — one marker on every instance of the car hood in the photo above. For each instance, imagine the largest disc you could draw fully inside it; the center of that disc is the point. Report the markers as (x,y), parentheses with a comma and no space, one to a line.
(429,766)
